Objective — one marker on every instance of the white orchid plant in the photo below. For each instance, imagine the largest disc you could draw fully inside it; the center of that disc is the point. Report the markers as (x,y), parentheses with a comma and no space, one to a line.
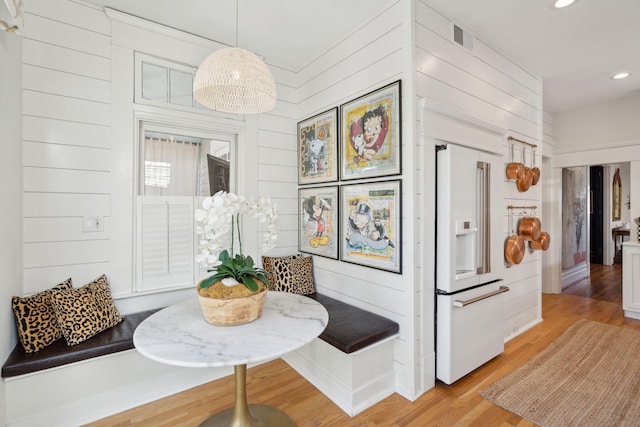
(221,215)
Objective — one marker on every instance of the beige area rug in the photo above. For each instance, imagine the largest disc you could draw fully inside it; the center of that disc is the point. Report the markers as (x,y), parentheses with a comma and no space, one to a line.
(589,376)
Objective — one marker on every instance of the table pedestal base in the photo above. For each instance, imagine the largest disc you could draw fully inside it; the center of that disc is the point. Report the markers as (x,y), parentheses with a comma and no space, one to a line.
(244,415)
(260,415)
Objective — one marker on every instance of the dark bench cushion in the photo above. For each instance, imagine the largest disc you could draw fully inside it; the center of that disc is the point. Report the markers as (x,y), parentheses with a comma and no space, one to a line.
(351,328)
(113,340)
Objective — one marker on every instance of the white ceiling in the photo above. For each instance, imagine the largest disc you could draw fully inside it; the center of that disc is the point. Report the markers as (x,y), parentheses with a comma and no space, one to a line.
(575,50)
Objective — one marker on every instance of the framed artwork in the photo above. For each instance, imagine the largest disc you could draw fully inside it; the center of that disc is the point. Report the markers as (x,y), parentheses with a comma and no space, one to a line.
(370,222)
(318,148)
(370,144)
(318,212)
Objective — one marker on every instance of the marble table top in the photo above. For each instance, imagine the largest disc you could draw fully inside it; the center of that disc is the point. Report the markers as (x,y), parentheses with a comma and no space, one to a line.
(179,335)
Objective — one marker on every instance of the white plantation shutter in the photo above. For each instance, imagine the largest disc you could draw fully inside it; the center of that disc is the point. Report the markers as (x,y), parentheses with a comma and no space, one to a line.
(166,242)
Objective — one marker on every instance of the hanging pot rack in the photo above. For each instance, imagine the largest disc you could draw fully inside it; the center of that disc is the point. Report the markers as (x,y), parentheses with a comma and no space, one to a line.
(511,138)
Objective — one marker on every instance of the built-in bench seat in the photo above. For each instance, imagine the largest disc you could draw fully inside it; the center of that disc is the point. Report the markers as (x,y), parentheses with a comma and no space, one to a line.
(351,362)
(351,328)
(113,340)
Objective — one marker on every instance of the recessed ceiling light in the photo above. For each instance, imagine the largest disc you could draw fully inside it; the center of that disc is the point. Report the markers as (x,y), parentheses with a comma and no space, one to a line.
(563,3)
(621,76)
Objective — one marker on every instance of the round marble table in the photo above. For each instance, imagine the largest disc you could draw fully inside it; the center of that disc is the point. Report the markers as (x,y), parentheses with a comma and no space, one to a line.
(179,335)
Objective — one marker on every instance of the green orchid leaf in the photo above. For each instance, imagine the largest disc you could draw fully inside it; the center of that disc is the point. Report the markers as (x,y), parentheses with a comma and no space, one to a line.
(224,255)
(208,281)
(249,283)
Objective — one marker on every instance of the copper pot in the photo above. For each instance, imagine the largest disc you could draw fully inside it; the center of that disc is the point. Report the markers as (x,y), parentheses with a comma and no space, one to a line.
(524,183)
(514,249)
(542,242)
(536,175)
(529,228)
(515,170)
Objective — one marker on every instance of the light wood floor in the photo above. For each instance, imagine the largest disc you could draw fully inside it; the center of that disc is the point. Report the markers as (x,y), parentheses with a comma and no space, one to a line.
(276,384)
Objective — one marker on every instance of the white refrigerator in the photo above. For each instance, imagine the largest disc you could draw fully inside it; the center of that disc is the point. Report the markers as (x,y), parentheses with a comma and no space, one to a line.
(469,260)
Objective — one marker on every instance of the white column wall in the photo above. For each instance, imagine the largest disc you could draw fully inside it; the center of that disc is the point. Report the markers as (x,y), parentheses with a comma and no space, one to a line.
(479,98)
(11,176)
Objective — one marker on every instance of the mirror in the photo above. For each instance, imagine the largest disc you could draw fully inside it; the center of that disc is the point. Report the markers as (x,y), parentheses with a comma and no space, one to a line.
(616,193)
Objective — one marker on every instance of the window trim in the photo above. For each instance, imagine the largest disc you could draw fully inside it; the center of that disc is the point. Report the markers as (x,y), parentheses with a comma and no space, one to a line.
(155,119)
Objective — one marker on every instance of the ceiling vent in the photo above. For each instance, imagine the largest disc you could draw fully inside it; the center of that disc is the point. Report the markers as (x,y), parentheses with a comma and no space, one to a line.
(462,37)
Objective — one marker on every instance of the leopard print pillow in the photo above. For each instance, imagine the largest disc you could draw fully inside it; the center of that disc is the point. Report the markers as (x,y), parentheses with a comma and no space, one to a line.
(273,270)
(85,311)
(292,274)
(36,320)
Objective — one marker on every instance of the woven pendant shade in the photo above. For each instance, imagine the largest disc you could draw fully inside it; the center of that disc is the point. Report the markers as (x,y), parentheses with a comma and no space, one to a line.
(234,80)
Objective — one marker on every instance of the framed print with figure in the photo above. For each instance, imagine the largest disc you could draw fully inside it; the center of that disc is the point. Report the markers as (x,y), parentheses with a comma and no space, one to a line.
(370,141)
(318,228)
(318,148)
(370,224)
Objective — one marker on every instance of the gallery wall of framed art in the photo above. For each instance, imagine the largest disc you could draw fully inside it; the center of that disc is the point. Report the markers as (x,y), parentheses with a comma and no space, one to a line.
(349,204)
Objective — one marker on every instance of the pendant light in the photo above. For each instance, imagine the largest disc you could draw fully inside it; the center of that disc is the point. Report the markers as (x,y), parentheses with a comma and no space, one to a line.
(234,80)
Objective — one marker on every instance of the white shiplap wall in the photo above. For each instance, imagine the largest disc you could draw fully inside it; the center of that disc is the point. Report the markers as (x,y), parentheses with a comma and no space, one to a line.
(496,98)
(373,55)
(66,136)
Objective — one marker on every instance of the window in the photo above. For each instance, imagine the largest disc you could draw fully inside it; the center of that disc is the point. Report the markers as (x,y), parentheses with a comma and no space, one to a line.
(177,167)
(164,83)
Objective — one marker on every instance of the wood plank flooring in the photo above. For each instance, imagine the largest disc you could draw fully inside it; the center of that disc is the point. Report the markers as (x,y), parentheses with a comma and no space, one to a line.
(276,384)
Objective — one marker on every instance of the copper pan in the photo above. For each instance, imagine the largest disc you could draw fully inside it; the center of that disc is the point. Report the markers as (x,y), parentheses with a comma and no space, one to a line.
(541,243)
(524,183)
(514,249)
(535,170)
(529,228)
(515,170)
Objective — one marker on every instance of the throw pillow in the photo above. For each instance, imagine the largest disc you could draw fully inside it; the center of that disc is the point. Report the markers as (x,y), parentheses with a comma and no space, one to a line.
(85,311)
(291,274)
(36,320)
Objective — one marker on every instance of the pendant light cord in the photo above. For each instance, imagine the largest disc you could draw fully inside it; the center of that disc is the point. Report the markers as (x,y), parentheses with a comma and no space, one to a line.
(237,19)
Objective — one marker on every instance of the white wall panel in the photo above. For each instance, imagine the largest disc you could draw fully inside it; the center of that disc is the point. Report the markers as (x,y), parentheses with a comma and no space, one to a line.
(69,36)
(442,47)
(271,156)
(55,131)
(464,81)
(63,83)
(278,173)
(40,278)
(63,108)
(65,253)
(473,106)
(60,229)
(65,156)
(63,59)
(52,204)
(65,181)
(72,13)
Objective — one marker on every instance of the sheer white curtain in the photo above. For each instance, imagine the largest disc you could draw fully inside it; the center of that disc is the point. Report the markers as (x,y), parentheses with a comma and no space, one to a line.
(170,167)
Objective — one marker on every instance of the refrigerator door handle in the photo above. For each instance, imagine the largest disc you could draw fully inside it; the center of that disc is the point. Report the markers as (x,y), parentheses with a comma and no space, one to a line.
(484,210)
(459,303)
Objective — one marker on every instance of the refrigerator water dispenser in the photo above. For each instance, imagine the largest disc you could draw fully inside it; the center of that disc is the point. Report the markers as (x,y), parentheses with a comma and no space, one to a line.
(465,248)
